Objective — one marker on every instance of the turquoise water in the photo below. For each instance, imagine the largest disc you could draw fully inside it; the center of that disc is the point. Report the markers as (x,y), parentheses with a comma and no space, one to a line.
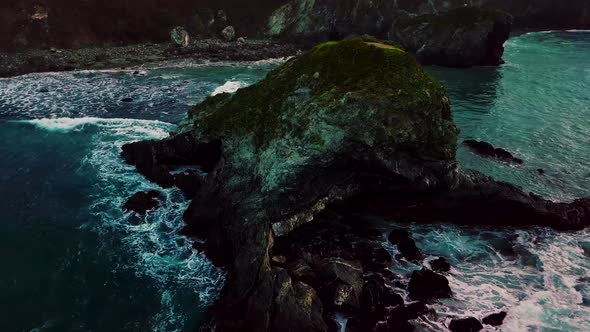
(73,261)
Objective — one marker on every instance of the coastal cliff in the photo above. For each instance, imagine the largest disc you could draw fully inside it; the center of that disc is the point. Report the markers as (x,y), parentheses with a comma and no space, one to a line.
(69,23)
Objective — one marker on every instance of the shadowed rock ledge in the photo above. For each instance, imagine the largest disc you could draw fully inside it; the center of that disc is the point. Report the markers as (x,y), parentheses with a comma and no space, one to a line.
(348,127)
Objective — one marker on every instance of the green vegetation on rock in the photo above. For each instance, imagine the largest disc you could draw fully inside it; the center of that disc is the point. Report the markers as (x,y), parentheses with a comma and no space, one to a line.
(338,84)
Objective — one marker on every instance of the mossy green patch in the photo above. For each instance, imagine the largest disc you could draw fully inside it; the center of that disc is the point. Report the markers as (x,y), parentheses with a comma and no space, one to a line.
(383,79)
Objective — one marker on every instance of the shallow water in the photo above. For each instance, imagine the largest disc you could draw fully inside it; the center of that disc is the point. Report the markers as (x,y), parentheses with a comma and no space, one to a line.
(73,261)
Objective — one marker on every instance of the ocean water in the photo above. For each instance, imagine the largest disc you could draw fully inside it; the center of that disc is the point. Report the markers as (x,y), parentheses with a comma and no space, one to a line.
(73,261)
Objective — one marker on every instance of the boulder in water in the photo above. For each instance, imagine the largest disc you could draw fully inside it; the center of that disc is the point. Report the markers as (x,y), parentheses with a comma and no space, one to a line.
(427,285)
(469,324)
(495,319)
(143,202)
(487,150)
(406,245)
(440,265)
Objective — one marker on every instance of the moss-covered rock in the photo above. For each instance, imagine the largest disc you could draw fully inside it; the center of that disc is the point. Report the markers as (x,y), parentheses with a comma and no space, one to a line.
(317,108)
(343,116)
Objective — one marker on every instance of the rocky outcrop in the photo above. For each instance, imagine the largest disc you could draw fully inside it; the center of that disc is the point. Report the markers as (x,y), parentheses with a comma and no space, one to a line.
(495,319)
(426,285)
(485,149)
(462,37)
(406,245)
(349,126)
(143,202)
(72,23)
(469,324)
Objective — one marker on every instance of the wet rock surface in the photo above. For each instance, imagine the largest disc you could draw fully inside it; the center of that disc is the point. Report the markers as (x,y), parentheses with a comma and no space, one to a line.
(485,149)
(469,324)
(427,285)
(406,245)
(495,319)
(142,202)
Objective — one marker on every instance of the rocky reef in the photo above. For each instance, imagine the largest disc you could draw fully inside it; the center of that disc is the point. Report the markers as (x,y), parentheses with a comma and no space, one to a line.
(293,164)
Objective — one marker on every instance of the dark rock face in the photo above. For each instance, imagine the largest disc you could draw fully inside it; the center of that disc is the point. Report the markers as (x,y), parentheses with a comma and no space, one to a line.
(440,265)
(155,159)
(495,319)
(406,245)
(487,150)
(376,297)
(469,324)
(427,285)
(462,37)
(143,202)
(189,182)
(70,23)
(341,283)
(477,197)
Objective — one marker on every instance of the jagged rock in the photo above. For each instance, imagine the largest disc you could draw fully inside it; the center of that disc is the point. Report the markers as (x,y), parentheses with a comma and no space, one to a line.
(154,159)
(427,285)
(301,271)
(586,248)
(127,100)
(478,199)
(469,324)
(44,90)
(188,182)
(406,245)
(228,33)
(341,283)
(179,37)
(495,319)
(487,150)
(400,315)
(376,297)
(375,257)
(440,265)
(143,202)
(462,37)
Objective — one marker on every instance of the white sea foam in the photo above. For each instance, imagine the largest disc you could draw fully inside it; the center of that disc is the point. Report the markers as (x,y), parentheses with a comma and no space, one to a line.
(155,248)
(149,127)
(228,87)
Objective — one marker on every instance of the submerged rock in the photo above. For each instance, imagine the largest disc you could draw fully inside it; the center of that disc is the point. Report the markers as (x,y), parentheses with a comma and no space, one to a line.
(440,265)
(469,324)
(462,37)
(427,285)
(143,202)
(487,150)
(495,319)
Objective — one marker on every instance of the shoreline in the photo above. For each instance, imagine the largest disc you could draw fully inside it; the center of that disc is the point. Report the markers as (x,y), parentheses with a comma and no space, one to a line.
(134,56)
